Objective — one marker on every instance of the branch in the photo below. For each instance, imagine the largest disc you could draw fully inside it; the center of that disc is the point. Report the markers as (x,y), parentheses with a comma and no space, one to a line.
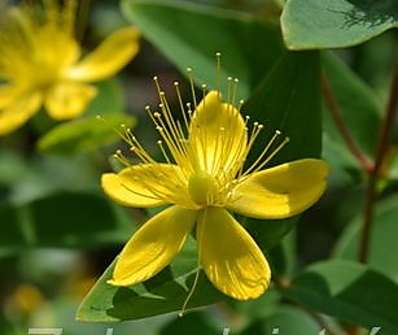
(336,114)
(381,150)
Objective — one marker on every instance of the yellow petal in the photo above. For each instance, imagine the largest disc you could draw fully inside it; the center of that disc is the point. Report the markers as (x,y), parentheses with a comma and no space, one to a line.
(68,100)
(218,135)
(15,114)
(7,95)
(109,58)
(230,257)
(153,246)
(58,50)
(282,191)
(147,185)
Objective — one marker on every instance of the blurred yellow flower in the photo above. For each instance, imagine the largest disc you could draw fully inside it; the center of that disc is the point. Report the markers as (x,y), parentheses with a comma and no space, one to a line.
(204,177)
(40,63)
(27,298)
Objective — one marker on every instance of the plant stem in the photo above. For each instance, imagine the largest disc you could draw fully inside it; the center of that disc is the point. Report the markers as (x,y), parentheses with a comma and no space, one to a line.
(381,150)
(336,114)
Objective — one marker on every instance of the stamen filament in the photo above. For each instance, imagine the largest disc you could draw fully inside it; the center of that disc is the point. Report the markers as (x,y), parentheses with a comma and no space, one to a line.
(177,87)
(189,70)
(263,153)
(218,75)
(272,155)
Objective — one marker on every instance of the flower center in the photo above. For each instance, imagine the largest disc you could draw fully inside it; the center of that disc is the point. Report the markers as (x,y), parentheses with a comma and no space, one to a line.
(202,188)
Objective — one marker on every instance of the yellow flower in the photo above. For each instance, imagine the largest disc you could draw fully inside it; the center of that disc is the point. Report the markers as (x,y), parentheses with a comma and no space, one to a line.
(205,177)
(40,63)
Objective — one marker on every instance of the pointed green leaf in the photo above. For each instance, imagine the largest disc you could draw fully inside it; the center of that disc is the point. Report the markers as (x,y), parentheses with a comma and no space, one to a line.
(360,111)
(83,135)
(195,323)
(350,292)
(164,293)
(383,240)
(359,105)
(109,100)
(314,24)
(190,35)
(288,320)
(288,100)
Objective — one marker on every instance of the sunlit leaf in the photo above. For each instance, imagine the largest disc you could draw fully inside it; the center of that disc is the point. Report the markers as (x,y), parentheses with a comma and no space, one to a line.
(314,24)
(85,134)
(164,293)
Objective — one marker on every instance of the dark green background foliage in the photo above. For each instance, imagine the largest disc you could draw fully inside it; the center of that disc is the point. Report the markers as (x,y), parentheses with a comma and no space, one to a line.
(60,235)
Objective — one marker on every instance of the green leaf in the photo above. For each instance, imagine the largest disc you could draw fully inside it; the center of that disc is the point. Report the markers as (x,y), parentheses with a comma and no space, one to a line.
(190,35)
(83,135)
(358,104)
(259,308)
(350,292)
(11,166)
(383,240)
(196,323)
(270,232)
(289,100)
(164,293)
(109,100)
(314,24)
(288,320)
(35,177)
(64,219)
(62,312)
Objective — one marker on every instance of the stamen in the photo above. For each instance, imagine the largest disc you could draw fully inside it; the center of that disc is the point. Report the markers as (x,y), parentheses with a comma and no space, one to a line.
(170,121)
(279,148)
(234,91)
(157,85)
(204,90)
(189,111)
(263,153)
(218,74)
(247,119)
(177,87)
(241,103)
(160,143)
(190,76)
(229,90)
(121,158)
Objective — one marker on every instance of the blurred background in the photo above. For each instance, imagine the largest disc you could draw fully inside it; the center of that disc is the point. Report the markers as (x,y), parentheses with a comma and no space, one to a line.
(58,233)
